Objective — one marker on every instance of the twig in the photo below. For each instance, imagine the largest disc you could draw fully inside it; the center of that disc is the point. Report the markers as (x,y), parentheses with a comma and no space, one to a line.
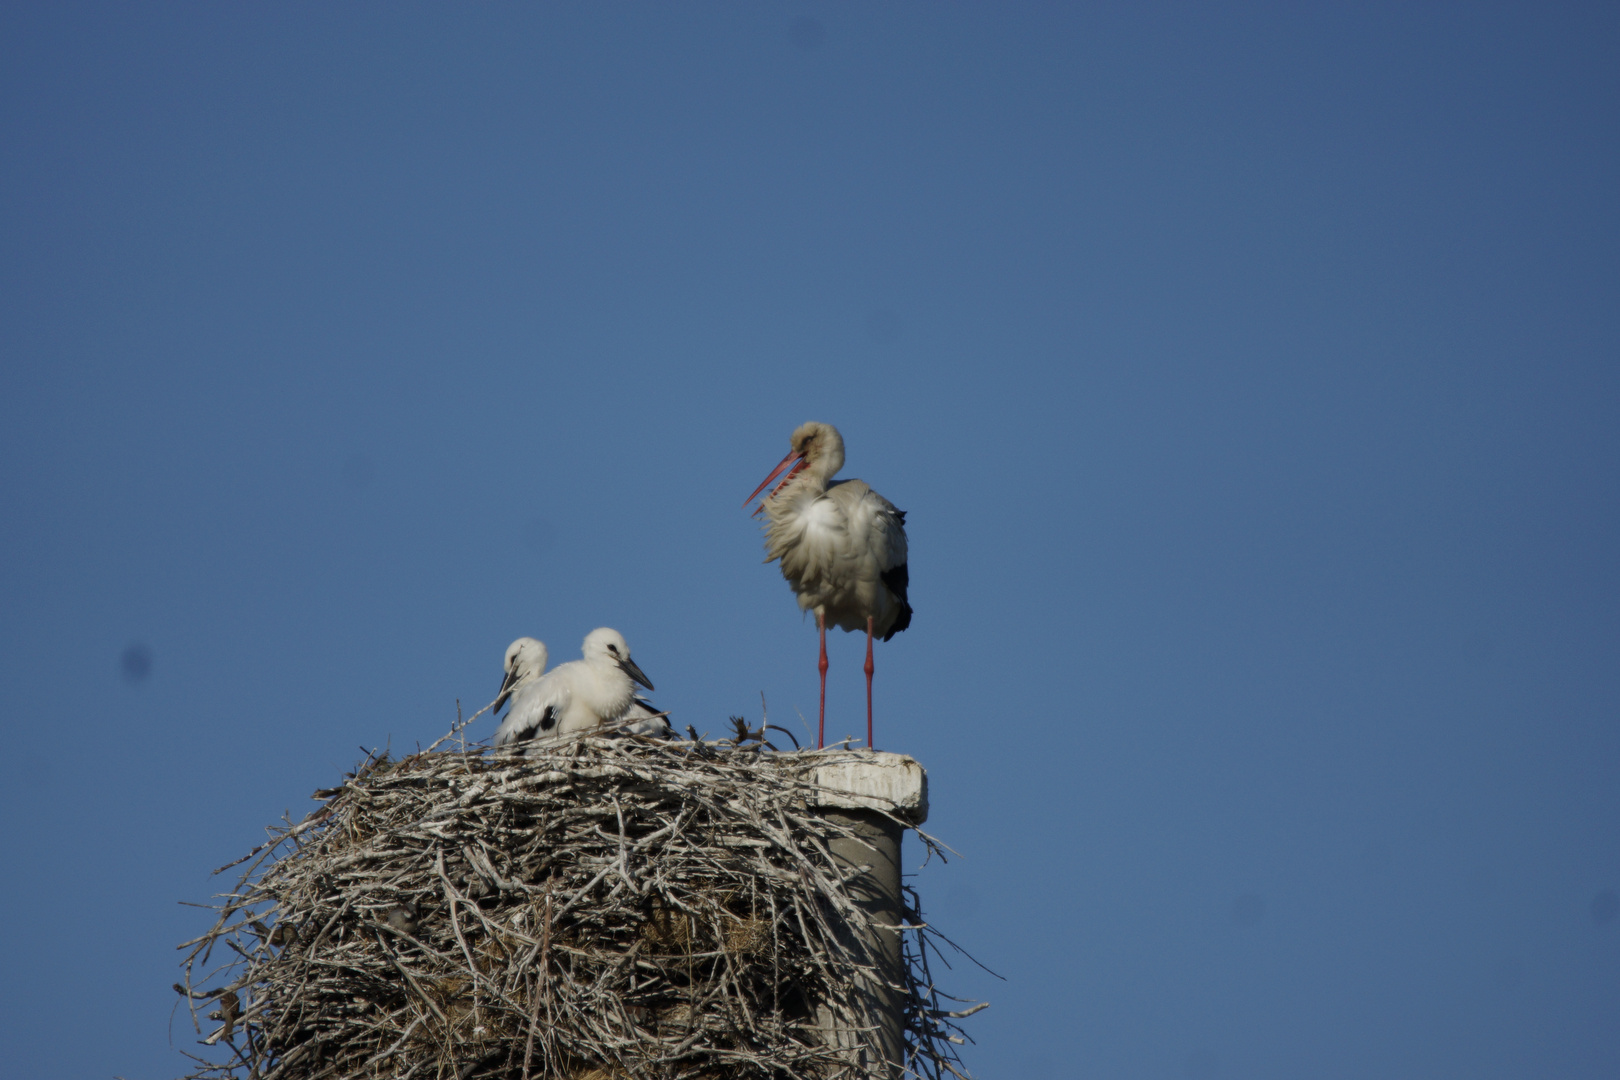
(445,915)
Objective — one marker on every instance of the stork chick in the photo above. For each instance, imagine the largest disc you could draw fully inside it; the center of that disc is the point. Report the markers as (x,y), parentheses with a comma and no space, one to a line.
(525,662)
(578,696)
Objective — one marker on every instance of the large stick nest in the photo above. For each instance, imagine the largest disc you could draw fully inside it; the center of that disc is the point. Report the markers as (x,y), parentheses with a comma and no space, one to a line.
(612,908)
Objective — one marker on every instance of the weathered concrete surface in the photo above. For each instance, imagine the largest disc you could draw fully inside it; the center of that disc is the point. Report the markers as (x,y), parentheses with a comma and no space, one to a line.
(891,782)
(872,1025)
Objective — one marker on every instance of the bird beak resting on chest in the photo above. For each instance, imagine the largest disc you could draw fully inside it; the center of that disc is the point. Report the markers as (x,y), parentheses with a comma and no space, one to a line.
(628,666)
(506,692)
(793,456)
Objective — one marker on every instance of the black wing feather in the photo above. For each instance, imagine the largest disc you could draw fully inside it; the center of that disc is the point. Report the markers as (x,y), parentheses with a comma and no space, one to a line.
(896,580)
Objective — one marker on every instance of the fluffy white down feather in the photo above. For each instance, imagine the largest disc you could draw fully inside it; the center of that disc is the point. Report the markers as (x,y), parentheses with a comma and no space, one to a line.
(582,696)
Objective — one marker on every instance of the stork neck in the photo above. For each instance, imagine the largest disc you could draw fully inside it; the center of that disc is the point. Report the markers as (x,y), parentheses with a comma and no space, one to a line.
(811,481)
(825,465)
(614,689)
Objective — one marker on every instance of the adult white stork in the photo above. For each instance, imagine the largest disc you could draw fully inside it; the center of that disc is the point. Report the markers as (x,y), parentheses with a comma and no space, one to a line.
(578,696)
(841,545)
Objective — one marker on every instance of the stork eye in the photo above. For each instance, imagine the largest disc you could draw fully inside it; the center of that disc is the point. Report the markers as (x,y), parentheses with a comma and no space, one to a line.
(614,649)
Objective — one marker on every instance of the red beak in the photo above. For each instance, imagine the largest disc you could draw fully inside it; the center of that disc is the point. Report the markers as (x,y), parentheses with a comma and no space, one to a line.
(789,460)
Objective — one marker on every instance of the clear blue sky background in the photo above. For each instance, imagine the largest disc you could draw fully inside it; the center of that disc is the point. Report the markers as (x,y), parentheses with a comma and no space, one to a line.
(1249,375)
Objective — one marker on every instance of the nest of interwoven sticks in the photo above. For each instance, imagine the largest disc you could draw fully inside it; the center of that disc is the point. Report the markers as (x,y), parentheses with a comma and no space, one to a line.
(612,908)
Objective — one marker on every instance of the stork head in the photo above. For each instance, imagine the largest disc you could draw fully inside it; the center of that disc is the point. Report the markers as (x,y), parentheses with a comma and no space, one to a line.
(525,659)
(821,447)
(608,647)
(816,447)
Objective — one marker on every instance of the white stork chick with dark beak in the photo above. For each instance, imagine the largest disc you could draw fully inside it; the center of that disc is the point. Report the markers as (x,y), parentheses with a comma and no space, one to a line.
(579,696)
(525,662)
(840,545)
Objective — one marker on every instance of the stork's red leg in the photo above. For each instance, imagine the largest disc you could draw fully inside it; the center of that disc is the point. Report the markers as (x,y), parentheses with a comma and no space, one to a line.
(821,723)
(869,745)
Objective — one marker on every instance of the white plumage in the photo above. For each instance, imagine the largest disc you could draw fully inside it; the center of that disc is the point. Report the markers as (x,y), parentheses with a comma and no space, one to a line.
(579,696)
(525,662)
(840,545)
(644,718)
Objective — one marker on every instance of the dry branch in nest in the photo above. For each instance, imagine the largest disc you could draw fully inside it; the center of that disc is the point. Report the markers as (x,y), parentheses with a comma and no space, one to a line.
(609,909)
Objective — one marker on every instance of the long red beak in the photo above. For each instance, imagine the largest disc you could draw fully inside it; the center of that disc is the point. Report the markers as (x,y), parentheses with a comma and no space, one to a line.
(793,455)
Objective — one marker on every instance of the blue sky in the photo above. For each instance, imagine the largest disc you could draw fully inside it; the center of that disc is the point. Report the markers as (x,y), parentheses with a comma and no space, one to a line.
(1249,376)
